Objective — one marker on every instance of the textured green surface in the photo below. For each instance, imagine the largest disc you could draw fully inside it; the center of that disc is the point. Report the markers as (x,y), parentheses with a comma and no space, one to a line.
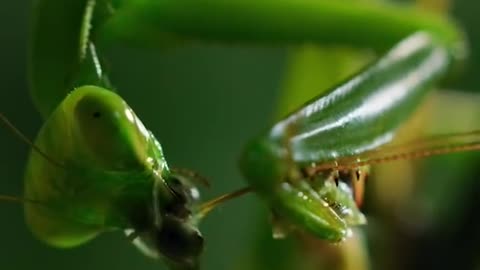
(271,22)
(358,115)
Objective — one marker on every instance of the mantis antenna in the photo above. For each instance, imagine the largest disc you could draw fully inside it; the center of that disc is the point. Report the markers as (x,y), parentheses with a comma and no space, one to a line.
(208,206)
(427,147)
(26,140)
(7,198)
(23,138)
(431,140)
(14,199)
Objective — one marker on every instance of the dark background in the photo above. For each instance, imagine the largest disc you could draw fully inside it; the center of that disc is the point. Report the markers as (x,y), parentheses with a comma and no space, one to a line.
(203,103)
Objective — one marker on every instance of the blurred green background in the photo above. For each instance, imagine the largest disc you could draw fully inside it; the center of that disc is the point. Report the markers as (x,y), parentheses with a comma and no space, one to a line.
(203,103)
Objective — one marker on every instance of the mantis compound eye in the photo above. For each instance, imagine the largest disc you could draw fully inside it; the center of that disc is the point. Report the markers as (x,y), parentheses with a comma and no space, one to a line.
(108,129)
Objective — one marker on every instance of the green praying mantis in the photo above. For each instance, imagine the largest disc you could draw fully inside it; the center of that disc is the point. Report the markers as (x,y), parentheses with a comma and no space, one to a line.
(95,167)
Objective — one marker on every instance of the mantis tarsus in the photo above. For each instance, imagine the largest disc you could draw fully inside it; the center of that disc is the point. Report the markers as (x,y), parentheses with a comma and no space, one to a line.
(278,166)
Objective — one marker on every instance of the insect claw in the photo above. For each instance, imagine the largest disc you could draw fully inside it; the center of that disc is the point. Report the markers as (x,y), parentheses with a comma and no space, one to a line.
(358,174)
(132,236)
(336,175)
(280,228)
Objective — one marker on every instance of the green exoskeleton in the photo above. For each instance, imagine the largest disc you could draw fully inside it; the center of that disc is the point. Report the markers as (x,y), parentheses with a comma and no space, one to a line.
(331,139)
(96,168)
(108,172)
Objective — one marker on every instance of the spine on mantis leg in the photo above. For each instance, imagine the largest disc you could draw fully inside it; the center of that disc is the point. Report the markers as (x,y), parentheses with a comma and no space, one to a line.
(62,54)
(358,115)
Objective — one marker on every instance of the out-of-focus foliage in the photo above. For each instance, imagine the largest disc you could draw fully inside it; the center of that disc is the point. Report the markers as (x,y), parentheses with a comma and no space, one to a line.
(203,103)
